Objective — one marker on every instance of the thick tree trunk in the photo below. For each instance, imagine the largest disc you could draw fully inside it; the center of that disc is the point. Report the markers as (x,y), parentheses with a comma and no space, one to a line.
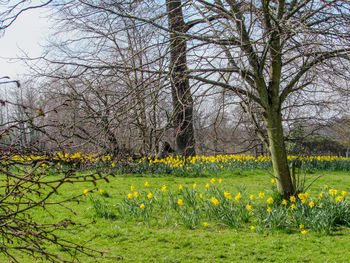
(278,153)
(181,93)
(111,146)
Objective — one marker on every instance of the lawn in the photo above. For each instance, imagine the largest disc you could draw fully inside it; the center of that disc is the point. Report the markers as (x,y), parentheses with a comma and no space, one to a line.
(162,239)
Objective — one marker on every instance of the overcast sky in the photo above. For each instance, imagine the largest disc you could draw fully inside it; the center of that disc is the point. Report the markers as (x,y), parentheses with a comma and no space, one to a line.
(28,33)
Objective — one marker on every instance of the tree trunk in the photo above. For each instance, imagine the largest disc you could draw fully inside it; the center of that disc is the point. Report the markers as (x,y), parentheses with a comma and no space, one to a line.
(180,86)
(111,146)
(278,153)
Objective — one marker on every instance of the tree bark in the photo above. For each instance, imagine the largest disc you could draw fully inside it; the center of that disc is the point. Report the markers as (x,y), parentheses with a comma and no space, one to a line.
(273,120)
(180,86)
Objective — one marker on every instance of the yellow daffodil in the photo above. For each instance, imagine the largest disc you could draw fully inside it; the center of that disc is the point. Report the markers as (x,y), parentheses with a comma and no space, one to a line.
(142,206)
(205,224)
(136,194)
(326,186)
(292,198)
(269,200)
(301,226)
(181,187)
(251,197)
(284,202)
(147,184)
(163,189)
(130,196)
(214,201)
(132,188)
(150,195)
(85,191)
(200,196)
(101,191)
(212,180)
(252,228)
(344,193)
(194,186)
(227,195)
(339,198)
(249,207)
(273,181)
(238,197)
(304,232)
(261,195)
(207,185)
(301,196)
(269,210)
(180,202)
(220,181)
(292,207)
(311,204)
(320,196)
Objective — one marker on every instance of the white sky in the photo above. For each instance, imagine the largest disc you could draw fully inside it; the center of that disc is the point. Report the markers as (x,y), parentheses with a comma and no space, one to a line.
(27,34)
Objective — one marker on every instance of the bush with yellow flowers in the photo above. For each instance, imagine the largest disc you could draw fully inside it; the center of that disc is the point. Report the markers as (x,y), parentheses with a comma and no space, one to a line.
(192,206)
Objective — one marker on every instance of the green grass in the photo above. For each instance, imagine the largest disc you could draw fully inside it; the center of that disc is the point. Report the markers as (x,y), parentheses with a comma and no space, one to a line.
(136,241)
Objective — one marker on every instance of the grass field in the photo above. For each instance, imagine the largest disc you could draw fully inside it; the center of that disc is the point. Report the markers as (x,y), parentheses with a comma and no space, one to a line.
(128,239)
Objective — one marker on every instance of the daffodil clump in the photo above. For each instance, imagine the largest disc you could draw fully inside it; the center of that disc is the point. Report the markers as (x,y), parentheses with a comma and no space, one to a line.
(210,204)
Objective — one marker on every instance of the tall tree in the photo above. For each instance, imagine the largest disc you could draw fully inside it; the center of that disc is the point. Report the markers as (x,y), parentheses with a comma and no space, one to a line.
(180,85)
(273,49)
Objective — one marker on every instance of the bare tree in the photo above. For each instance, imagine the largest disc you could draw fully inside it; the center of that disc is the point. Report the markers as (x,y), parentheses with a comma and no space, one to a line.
(116,88)
(181,118)
(181,92)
